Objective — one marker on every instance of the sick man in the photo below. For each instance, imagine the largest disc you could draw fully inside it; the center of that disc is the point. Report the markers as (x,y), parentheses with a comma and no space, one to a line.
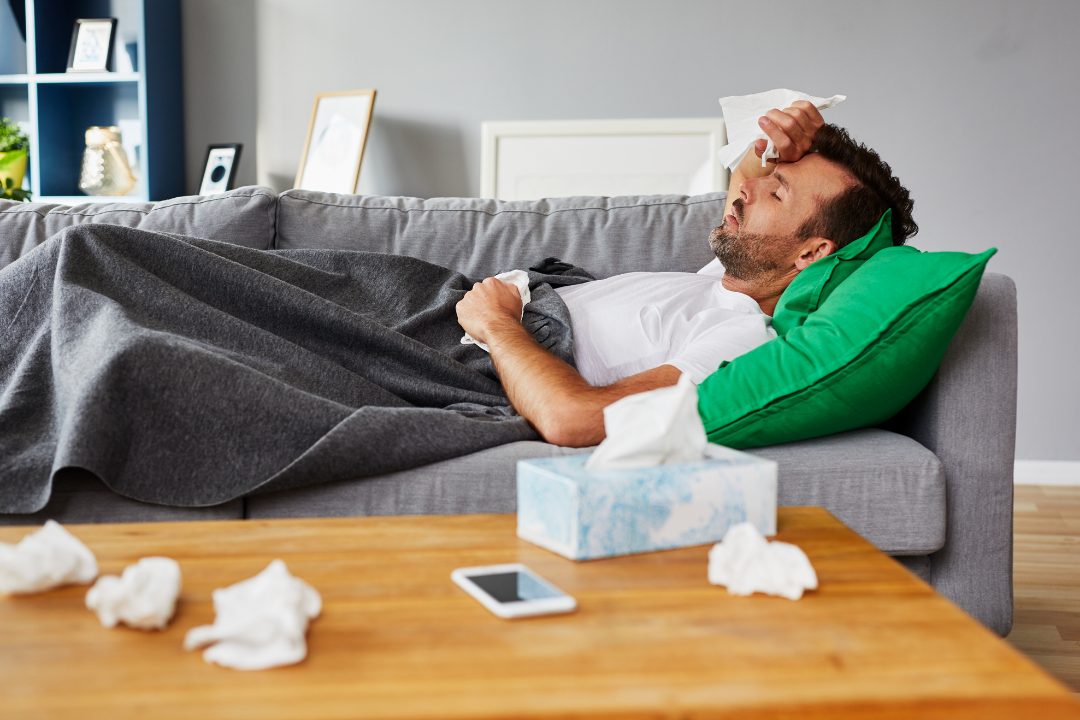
(640,331)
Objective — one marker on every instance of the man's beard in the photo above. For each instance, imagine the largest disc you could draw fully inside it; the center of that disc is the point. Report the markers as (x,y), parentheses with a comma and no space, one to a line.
(747,255)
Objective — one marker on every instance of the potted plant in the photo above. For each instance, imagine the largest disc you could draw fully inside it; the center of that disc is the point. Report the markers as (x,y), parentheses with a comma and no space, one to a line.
(14,145)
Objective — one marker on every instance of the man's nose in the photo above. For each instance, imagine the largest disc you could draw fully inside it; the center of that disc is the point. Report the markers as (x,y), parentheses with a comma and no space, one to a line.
(752,188)
(748,190)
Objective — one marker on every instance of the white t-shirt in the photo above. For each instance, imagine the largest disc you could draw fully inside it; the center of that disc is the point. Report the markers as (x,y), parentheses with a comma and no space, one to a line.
(634,322)
(713,268)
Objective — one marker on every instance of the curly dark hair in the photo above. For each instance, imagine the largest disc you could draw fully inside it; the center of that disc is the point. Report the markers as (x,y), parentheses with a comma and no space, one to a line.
(849,215)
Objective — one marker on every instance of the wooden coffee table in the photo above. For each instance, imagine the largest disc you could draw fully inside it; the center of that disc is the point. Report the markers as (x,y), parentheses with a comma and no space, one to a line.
(651,637)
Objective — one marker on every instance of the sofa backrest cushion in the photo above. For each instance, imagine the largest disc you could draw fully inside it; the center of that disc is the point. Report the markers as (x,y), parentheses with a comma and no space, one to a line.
(245,216)
(481,237)
(857,361)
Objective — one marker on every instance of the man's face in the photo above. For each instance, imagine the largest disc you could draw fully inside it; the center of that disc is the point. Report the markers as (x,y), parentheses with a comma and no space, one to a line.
(759,237)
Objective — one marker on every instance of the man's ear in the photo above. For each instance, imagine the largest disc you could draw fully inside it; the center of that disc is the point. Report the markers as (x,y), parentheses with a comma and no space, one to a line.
(814,249)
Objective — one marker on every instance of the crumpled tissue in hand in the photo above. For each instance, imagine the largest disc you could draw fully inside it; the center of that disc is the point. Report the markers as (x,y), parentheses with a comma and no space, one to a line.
(746,563)
(261,622)
(657,427)
(741,113)
(144,597)
(45,559)
(520,280)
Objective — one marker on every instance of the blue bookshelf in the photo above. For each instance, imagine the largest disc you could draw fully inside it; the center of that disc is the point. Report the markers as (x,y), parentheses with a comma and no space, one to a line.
(141,93)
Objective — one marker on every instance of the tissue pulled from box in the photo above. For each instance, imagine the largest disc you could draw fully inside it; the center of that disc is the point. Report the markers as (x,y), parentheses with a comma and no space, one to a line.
(520,280)
(745,562)
(658,427)
(45,559)
(261,622)
(741,113)
(143,597)
(582,514)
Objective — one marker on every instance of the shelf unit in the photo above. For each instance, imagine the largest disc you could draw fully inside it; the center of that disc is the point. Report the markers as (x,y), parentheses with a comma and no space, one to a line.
(141,93)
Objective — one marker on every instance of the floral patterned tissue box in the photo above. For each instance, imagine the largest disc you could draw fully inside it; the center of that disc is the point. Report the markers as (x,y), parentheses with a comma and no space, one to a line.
(583,514)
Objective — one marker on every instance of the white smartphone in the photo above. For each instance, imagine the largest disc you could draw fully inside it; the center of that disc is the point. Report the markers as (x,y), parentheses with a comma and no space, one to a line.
(513,590)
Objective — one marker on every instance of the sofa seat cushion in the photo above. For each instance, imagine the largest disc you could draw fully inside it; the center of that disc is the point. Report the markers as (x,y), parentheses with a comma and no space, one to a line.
(483,482)
(246,216)
(79,497)
(480,237)
(887,487)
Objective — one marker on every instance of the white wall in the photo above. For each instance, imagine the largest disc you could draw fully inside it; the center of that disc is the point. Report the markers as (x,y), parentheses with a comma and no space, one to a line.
(974,103)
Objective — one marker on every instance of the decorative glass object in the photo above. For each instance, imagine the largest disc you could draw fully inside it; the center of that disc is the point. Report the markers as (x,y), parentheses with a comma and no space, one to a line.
(105,168)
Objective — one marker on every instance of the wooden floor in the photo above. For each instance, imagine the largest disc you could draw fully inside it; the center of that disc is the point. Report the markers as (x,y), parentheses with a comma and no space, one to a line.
(1046,582)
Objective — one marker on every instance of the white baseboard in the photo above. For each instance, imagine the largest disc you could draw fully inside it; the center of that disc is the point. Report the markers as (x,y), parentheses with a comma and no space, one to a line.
(1046,472)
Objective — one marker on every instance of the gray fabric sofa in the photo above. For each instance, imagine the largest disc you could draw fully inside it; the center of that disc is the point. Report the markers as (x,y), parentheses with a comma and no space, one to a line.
(933,488)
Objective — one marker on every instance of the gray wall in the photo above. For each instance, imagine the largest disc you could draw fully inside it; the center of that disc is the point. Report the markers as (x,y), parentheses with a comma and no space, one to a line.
(970,101)
(220,83)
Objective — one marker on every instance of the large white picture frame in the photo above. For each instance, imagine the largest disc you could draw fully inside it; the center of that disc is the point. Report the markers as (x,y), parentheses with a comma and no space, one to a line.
(336,137)
(557,158)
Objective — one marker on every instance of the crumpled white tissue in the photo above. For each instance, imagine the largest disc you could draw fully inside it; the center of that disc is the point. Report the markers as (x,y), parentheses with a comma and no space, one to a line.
(45,559)
(261,622)
(746,563)
(657,427)
(144,597)
(520,280)
(741,113)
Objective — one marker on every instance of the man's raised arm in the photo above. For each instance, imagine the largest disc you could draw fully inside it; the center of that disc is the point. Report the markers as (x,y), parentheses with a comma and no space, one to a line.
(547,392)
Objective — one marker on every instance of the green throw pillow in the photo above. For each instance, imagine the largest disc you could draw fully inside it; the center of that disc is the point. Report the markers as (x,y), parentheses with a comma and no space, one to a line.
(812,286)
(855,362)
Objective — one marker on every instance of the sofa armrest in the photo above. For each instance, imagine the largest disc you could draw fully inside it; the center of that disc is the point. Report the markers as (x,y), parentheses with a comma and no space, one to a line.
(967,417)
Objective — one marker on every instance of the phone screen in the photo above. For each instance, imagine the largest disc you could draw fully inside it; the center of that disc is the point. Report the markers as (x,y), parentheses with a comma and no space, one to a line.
(512,587)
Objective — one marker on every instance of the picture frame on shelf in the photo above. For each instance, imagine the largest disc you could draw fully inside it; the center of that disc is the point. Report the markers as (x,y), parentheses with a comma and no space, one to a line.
(219,170)
(92,41)
(336,138)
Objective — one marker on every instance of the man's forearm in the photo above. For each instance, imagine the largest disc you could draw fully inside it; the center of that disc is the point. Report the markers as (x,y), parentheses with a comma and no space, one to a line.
(540,386)
(560,404)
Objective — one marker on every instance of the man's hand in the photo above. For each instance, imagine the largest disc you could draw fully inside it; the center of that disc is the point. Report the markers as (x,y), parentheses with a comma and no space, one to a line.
(792,130)
(489,304)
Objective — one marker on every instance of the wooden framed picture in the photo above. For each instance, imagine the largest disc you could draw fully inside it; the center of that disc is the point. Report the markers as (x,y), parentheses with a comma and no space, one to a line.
(337,134)
(92,45)
(219,170)
(557,158)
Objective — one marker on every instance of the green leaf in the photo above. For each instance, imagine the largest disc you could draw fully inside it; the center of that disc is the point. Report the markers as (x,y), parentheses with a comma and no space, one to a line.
(12,137)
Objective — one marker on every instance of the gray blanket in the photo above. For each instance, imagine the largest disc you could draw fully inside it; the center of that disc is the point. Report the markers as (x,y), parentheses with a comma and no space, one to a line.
(190,372)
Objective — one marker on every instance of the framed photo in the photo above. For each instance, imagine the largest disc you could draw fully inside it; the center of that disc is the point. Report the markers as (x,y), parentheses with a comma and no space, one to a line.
(337,134)
(219,171)
(92,45)
(559,158)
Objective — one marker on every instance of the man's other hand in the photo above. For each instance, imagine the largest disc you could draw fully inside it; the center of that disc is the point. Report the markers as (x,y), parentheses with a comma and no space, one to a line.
(489,304)
(792,130)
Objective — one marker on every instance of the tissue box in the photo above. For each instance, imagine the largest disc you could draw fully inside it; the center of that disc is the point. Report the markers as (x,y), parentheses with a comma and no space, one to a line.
(584,514)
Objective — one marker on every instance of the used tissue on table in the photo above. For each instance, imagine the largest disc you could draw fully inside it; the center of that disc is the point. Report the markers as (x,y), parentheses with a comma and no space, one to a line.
(45,559)
(620,506)
(144,597)
(261,622)
(741,113)
(745,562)
(520,280)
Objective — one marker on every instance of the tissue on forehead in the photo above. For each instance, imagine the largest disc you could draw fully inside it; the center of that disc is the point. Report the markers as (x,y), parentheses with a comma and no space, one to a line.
(741,113)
